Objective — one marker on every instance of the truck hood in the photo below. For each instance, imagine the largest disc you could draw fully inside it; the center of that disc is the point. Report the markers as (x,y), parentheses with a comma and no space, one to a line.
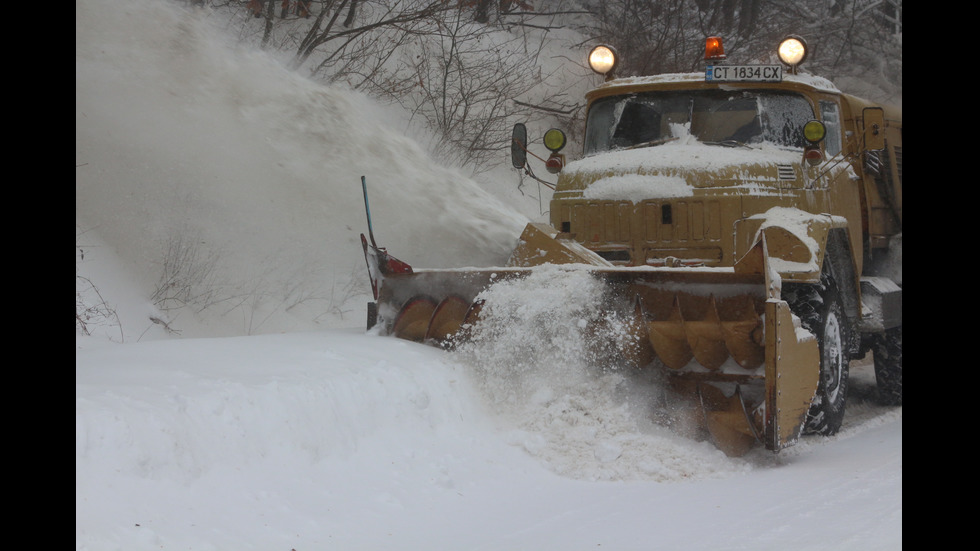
(677,169)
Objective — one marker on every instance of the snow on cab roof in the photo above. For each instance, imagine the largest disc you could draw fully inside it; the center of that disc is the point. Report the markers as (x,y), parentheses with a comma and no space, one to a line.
(819,83)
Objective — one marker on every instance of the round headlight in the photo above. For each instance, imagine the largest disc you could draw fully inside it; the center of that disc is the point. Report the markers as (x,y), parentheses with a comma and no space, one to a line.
(792,50)
(814,131)
(554,140)
(602,59)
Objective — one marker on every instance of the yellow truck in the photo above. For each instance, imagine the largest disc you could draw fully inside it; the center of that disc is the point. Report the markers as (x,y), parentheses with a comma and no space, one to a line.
(746,221)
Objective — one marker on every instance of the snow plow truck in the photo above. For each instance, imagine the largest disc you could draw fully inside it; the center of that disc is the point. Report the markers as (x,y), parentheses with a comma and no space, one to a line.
(746,221)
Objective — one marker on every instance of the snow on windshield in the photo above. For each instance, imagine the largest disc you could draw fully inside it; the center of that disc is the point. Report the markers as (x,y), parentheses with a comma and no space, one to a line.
(712,116)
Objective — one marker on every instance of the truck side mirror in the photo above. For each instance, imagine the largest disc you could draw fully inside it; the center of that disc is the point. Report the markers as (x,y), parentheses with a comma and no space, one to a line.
(874,128)
(518,146)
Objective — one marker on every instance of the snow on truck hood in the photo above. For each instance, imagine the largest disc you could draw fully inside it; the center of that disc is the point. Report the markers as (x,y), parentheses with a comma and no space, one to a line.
(673,169)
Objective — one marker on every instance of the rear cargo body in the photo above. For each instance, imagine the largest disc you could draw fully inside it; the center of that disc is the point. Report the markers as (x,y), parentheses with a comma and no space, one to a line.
(745,231)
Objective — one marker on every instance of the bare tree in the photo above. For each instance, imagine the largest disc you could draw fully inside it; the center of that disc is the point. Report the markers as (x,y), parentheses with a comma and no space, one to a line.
(325,30)
(187,276)
(847,37)
(91,309)
(467,93)
(432,58)
(851,39)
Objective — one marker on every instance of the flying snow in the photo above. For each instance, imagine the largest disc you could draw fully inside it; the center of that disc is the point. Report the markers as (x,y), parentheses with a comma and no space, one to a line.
(572,404)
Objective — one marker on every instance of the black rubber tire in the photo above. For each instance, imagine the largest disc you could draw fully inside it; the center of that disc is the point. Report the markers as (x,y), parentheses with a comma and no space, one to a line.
(888,366)
(821,312)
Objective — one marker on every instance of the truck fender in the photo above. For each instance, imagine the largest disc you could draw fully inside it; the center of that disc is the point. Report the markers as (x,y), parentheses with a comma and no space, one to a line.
(798,244)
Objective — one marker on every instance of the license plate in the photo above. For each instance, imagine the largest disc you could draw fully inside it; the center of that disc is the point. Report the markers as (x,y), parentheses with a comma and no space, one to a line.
(743,73)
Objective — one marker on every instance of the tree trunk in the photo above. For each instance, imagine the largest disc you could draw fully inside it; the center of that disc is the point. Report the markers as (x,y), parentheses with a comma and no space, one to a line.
(350,15)
(482,11)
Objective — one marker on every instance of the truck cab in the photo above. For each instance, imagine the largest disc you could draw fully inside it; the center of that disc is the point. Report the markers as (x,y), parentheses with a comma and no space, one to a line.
(678,168)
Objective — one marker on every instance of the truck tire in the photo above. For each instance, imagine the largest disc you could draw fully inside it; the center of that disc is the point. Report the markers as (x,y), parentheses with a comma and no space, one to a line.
(888,366)
(821,312)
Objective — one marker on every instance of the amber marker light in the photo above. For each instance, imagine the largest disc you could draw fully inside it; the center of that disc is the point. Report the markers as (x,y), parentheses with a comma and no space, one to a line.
(713,50)
(814,131)
(554,140)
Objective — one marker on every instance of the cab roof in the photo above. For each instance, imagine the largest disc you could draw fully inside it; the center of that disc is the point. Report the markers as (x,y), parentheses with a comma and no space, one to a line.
(613,86)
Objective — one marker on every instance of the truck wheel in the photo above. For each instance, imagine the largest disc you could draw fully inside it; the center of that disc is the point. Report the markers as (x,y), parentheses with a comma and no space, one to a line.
(821,312)
(372,314)
(888,366)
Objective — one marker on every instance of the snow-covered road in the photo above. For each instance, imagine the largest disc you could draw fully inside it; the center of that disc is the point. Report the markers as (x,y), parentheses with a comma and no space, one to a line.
(344,440)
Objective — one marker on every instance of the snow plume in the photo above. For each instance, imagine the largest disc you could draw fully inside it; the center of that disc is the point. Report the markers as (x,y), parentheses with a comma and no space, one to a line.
(569,401)
(184,138)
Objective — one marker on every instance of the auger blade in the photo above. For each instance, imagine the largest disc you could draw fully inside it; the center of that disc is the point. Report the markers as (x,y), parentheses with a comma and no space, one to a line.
(412,322)
(706,339)
(473,314)
(669,339)
(638,352)
(697,409)
(470,318)
(743,335)
(447,318)
(730,426)
(621,339)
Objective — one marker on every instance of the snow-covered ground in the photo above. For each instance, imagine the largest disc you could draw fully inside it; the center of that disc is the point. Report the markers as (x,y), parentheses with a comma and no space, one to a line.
(263,416)
(336,439)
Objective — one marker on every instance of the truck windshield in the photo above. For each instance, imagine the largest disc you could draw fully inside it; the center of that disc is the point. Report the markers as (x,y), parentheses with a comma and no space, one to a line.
(723,117)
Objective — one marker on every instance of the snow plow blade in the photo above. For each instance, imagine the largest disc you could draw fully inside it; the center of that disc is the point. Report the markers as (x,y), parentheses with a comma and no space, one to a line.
(736,361)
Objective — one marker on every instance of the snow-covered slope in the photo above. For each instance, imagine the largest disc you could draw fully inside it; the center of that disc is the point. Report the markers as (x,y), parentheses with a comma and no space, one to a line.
(217,167)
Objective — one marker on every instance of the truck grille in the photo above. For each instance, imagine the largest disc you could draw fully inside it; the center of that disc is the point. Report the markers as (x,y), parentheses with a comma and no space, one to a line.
(786,172)
(607,226)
